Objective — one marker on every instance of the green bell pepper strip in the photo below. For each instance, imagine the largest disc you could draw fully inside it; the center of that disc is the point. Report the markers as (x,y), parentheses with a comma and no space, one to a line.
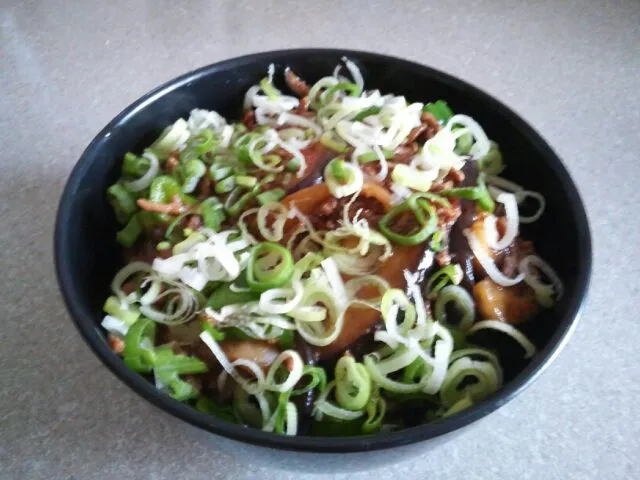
(205,404)
(269,196)
(134,165)
(367,112)
(130,233)
(166,360)
(191,172)
(136,355)
(212,213)
(259,278)
(234,207)
(112,306)
(217,335)
(122,201)
(419,207)
(178,388)
(439,109)
(163,189)
(223,296)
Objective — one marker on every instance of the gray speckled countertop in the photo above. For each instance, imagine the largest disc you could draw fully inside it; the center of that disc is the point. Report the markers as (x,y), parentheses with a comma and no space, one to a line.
(570,68)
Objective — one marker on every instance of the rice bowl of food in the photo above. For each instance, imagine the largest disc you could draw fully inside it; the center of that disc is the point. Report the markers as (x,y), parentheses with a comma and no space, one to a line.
(322,251)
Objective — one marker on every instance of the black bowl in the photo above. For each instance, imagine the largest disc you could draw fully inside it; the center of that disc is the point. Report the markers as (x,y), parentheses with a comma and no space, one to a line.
(87,255)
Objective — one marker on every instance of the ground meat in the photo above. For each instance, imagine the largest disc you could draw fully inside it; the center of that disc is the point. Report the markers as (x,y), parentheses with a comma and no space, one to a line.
(194,222)
(116,344)
(431,125)
(404,153)
(172,162)
(455,176)
(249,119)
(328,214)
(415,134)
(296,84)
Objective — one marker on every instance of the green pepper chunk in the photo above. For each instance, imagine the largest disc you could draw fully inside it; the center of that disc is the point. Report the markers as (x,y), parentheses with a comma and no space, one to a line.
(138,351)
(479,193)
(264,271)
(122,201)
(418,207)
(130,233)
(439,109)
(207,405)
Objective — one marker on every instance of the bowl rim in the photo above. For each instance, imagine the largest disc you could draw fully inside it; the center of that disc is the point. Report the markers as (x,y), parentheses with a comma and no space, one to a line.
(84,321)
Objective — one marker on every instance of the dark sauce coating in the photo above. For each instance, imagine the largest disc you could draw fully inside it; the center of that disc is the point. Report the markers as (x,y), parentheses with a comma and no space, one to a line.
(459,249)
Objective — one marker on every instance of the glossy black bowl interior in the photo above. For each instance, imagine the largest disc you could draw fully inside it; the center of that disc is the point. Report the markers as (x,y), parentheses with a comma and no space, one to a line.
(87,255)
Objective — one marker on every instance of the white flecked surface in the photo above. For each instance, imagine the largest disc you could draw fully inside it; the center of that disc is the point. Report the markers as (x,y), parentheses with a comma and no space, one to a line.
(571,68)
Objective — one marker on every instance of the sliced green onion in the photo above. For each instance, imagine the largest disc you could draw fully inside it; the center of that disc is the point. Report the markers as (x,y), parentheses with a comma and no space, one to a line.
(134,165)
(216,334)
(318,380)
(225,186)
(163,246)
(237,201)
(462,404)
(436,241)
(373,156)
(449,274)
(338,170)
(439,109)
(138,352)
(246,181)
(376,409)
(192,239)
(212,213)
(163,189)
(223,296)
(294,165)
(207,405)
(203,142)
(176,387)
(219,172)
(463,303)
(170,138)
(367,112)
(122,201)
(353,384)
(130,233)
(192,171)
(268,89)
(274,195)
(127,314)
(426,223)
(485,374)
(419,180)
(492,163)
(329,140)
(349,88)
(270,266)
